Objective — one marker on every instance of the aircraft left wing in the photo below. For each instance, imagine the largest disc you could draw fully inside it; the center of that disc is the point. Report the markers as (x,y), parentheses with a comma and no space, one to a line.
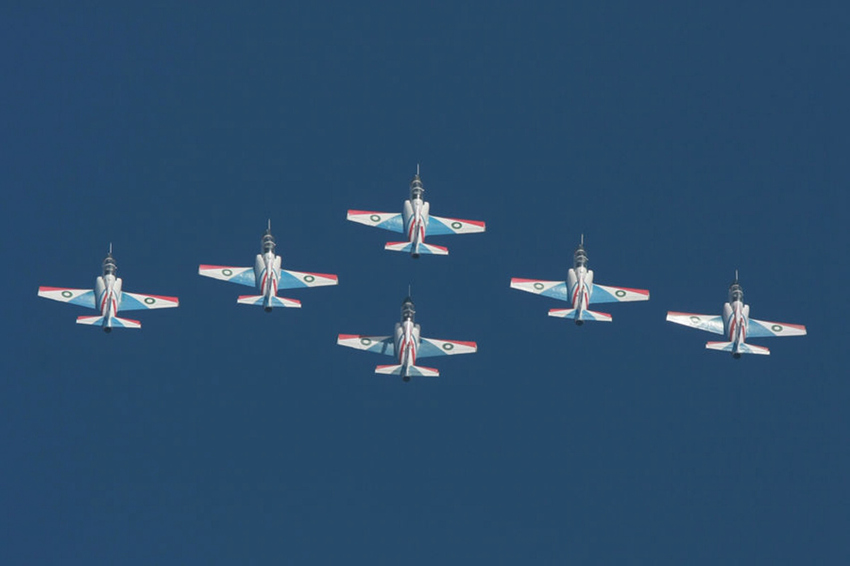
(699,321)
(605,294)
(763,329)
(82,297)
(378,344)
(554,289)
(391,221)
(240,275)
(438,226)
(297,279)
(136,302)
(429,347)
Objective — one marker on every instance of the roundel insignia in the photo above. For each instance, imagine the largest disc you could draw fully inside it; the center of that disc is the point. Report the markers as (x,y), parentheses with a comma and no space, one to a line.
(375,218)
(448,346)
(227,272)
(309,278)
(538,285)
(457,225)
(67,294)
(695,319)
(149,300)
(776,328)
(365,341)
(620,293)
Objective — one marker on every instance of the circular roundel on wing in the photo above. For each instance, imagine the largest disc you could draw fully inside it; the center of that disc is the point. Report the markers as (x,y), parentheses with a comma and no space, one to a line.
(538,285)
(448,346)
(695,319)
(149,300)
(227,272)
(67,294)
(457,225)
(620,293)
(776,328)
(375,218)
(365,341)
(309,278)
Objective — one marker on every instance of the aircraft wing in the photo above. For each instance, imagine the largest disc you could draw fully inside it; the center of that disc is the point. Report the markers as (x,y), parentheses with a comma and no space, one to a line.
(554,289)
(605,294)
(82,297)
(438,226)
(378,344)
(429,347)
(136,302)
(391,221)
(763,329)
(298,279)
(241,275)
(699,321)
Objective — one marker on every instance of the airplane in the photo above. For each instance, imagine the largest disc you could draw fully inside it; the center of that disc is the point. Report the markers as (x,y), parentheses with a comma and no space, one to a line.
(735,323)
(109,297)
(406,346)
(267,277)
(416,221)
(580,290)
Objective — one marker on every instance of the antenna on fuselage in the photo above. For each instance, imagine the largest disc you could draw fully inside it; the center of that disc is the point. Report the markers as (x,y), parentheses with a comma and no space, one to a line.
(582,239)
(736,276)
(110,248)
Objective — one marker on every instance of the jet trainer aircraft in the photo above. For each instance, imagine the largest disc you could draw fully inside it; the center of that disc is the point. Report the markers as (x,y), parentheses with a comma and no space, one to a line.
(267,277)
(407,346)
(736,324)
(580,290)
(109,297)
(416,221)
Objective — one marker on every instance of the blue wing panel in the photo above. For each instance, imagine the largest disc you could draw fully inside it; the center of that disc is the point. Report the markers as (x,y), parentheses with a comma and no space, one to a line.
(559,292)
(287,281)
(437,228)
(756,330)
(427,350)
(600,295)
(394,224)
(84,300)
(130,303)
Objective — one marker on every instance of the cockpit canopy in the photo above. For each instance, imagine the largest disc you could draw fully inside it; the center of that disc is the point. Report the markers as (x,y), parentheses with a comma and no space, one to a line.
(109,266)
(580,257)
(268,242)
(416,188)
(407,309)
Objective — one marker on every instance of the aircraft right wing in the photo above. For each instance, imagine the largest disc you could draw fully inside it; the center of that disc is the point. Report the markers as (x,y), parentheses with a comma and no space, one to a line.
(554,289)
(82,297)
(391,221)
(699,321)
(137,301)
(763,329)
(429,347)
(439,226)
(378,344)
(297,279)
(240,275)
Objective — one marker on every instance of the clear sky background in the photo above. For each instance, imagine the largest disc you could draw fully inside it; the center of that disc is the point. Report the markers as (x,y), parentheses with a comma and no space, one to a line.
(684,141)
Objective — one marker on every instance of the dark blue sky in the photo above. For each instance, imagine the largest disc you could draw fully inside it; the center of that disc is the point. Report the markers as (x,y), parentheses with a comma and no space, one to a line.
(684,141)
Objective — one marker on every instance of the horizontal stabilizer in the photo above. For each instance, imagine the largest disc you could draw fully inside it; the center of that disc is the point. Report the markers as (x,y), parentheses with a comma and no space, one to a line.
(413,371)
(742,348)
(583,315)
(114,322)
(259,300)
(425,249)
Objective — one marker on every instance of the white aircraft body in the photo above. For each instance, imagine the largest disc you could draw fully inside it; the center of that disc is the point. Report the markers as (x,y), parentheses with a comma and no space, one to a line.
(735,323)
(108,297)
(580,290)
(406,346)
(416,221)
(267,277)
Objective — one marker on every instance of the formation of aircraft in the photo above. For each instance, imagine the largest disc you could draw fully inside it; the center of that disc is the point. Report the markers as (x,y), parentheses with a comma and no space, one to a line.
(415,220)
(109,298)
(579,290)
(267,277)
(735,323)
(407,346)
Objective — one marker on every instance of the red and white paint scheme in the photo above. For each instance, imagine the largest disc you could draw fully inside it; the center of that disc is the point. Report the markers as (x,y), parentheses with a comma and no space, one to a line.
(267,277)
(406,346)
(580,290)
(735,323)
(415,222)
(109,298)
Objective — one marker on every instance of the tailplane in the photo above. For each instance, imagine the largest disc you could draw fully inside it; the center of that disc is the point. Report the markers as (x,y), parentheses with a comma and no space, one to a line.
(581,316)
(743,348)
(425,249)
(114,322)
(415,371)
(259,300)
